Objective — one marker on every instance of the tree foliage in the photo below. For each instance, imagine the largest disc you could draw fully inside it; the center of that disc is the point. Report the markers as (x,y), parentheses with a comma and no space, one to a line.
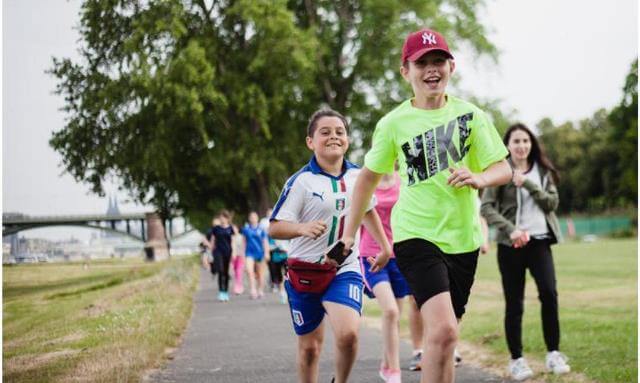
(196,105)
(597,157)
(624,140)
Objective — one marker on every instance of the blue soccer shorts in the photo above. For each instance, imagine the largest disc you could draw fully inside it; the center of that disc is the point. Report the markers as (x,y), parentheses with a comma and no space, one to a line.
(390,273)
(307,311)
(257,257)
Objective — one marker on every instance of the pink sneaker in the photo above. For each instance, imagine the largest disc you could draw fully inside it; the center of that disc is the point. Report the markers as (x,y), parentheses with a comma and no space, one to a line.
(389,375)
(394,376)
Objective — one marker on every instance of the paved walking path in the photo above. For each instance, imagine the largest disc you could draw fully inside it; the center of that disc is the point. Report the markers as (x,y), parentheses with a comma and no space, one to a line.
(253,341)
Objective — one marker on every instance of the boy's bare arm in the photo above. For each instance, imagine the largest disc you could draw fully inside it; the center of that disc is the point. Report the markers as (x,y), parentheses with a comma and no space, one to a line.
(498,173)
(289,230)
(372,222)
(362,192)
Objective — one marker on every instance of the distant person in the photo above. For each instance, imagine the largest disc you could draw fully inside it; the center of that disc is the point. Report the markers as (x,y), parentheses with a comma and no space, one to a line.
(221,244)
(238,261)
(446,148)
(523,212)
(204,254)
(256,250)
(311,212)
(212,266)
(264,221)
(278,253)
(271,267)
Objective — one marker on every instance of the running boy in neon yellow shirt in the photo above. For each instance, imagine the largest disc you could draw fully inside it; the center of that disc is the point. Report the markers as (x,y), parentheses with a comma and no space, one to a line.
(447,149)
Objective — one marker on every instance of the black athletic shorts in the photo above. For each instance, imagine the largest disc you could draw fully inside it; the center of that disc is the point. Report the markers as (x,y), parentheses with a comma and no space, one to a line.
(429,271)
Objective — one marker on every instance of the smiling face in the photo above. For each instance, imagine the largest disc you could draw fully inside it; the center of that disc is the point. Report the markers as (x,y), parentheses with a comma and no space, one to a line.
(429,75)
(329,141)
(519,145)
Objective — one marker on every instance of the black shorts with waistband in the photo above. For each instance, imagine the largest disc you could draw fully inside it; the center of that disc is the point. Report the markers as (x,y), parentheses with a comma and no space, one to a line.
(430,271)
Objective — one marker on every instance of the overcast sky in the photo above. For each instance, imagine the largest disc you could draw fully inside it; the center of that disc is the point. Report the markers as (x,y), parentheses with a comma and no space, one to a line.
(559,58)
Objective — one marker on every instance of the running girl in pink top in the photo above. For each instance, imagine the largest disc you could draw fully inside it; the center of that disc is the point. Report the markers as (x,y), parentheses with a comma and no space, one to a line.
(388,285)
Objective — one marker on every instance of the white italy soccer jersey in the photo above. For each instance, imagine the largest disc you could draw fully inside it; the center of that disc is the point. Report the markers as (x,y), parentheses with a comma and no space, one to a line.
(313,195)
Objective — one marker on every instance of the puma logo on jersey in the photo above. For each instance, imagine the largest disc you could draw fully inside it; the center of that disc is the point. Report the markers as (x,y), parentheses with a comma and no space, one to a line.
(321,196)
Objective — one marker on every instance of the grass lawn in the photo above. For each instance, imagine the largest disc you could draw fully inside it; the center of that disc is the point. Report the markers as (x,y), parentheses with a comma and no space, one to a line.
(597,287)
(108,322)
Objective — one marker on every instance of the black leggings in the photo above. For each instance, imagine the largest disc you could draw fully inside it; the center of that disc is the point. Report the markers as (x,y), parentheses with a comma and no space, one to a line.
(276,270)
(536,256)
(222,264)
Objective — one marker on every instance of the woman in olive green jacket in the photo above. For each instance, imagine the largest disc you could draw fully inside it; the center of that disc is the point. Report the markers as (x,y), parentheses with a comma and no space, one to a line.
(523,212)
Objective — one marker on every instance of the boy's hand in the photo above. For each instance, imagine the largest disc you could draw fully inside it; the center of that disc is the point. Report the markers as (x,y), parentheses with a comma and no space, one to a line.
(348,244)
(330,261)
(484,248)
(379,261)
(313,229)
(464,177)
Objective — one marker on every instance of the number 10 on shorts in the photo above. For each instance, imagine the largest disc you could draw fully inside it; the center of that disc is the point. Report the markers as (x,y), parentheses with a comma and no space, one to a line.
(354,292)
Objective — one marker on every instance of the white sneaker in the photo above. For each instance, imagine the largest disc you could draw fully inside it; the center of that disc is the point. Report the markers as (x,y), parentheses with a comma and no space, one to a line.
(457,358)
(556,362)
(519,369)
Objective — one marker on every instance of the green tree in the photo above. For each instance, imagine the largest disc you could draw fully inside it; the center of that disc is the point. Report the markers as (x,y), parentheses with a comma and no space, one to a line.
(188,109)
(624,141)
(198,105)
(563,146)
(595,183)
(358,62)
(588,160)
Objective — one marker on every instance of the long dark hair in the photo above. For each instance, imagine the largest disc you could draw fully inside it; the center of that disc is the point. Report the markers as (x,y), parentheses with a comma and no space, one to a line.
(537,153)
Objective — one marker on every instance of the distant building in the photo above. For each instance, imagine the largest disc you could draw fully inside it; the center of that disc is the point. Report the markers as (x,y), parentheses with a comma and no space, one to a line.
(112,211)
(12,240)
(12,244)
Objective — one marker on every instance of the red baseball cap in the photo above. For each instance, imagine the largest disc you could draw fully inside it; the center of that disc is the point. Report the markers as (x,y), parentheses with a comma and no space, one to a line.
(421,42)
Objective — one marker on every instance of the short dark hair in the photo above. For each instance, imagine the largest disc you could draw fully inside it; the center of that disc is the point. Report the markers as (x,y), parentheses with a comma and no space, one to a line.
(324,112)
(537,153)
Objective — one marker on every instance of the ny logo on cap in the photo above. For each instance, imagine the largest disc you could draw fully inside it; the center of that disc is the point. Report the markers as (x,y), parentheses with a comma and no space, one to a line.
(428,38)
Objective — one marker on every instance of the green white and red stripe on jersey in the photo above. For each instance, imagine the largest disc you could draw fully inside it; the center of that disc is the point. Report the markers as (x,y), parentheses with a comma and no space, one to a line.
(314,195)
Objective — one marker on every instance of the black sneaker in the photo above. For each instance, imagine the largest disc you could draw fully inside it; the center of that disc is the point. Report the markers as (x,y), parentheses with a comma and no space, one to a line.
(414,364)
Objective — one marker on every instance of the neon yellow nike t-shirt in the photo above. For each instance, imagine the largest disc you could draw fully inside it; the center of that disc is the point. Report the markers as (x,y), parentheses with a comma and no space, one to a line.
(426,143)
